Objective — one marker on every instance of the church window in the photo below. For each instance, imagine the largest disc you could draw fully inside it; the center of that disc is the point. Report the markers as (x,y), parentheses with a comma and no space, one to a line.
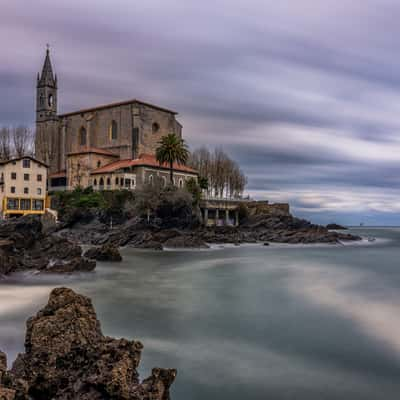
(50,100)
(82,136)
(41,100)
(155,127)
(108,181)
(151,180)
(113,130)
(98,164)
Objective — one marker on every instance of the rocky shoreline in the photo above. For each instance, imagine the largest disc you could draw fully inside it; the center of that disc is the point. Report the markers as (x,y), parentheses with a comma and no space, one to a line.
(68,357)
(24,245)
(257,228)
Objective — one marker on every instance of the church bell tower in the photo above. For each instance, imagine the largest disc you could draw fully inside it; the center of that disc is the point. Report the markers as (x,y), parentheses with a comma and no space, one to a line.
(47,136)
(46,93)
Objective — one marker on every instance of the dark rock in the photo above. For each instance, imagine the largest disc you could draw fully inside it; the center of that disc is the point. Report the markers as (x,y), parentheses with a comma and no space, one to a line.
(23,245)
(335,227)
(104,253)
(151,245)
(67,357)
(78,264)
(174,227)
(186,241)
(7,394)
(3,364)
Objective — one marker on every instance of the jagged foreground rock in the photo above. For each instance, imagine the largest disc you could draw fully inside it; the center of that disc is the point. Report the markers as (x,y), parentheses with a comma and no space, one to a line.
(67,357)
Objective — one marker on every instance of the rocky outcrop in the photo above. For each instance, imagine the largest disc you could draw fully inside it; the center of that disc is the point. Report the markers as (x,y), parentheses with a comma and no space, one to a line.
(264,223)
(106,252)
(288,229)
(68,357)
(23,245)
(335,227)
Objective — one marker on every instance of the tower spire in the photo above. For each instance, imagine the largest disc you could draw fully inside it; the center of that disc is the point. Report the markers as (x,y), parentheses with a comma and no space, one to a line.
(47,77)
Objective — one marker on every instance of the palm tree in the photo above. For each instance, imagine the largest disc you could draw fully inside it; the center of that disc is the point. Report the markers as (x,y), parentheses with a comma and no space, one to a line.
(172,149)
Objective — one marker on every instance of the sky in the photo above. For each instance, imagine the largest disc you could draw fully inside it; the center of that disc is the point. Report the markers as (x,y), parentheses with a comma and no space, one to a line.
(304,94)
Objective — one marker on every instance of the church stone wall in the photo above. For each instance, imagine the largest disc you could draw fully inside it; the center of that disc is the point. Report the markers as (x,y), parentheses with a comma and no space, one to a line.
(140,129)
(145,118)
(97,125)
(79,167)
(48,146)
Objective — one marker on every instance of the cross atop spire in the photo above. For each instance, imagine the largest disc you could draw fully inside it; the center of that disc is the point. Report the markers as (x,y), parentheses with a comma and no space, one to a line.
(47,77)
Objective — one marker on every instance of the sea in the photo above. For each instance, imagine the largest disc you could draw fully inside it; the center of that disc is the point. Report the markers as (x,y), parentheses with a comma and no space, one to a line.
(245,322)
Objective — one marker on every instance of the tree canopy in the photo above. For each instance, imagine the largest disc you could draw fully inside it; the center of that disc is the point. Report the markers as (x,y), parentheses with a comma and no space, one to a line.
(172,149)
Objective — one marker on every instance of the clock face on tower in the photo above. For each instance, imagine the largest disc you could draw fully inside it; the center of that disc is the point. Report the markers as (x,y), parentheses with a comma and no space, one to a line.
(50,100)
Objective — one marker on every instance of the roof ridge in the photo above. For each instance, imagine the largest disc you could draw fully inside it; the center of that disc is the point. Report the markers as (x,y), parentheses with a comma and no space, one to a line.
(116,104)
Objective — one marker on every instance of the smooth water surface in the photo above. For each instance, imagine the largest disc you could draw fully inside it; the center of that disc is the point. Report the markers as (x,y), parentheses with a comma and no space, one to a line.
(248,322)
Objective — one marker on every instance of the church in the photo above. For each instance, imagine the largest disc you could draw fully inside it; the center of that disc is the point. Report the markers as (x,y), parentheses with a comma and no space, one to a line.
(108,147)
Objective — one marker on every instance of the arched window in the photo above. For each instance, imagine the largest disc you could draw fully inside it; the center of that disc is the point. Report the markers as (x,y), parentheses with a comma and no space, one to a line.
(116,181)
(181,183)
(95,182)
(151,180)
(101,183)
(98,164)
(121,182)
(108,181)
(113,130)
(133,183)
(163,181)
(82,136)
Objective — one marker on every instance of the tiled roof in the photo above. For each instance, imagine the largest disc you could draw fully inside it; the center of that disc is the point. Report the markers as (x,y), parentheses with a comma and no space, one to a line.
(94,150)
(111,105)
(58,174)
(21,158)
(144,160)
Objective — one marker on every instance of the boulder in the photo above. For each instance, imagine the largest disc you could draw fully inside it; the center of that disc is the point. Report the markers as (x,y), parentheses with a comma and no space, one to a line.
(23,245)
(104,253)
(7,394)
(68,357)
